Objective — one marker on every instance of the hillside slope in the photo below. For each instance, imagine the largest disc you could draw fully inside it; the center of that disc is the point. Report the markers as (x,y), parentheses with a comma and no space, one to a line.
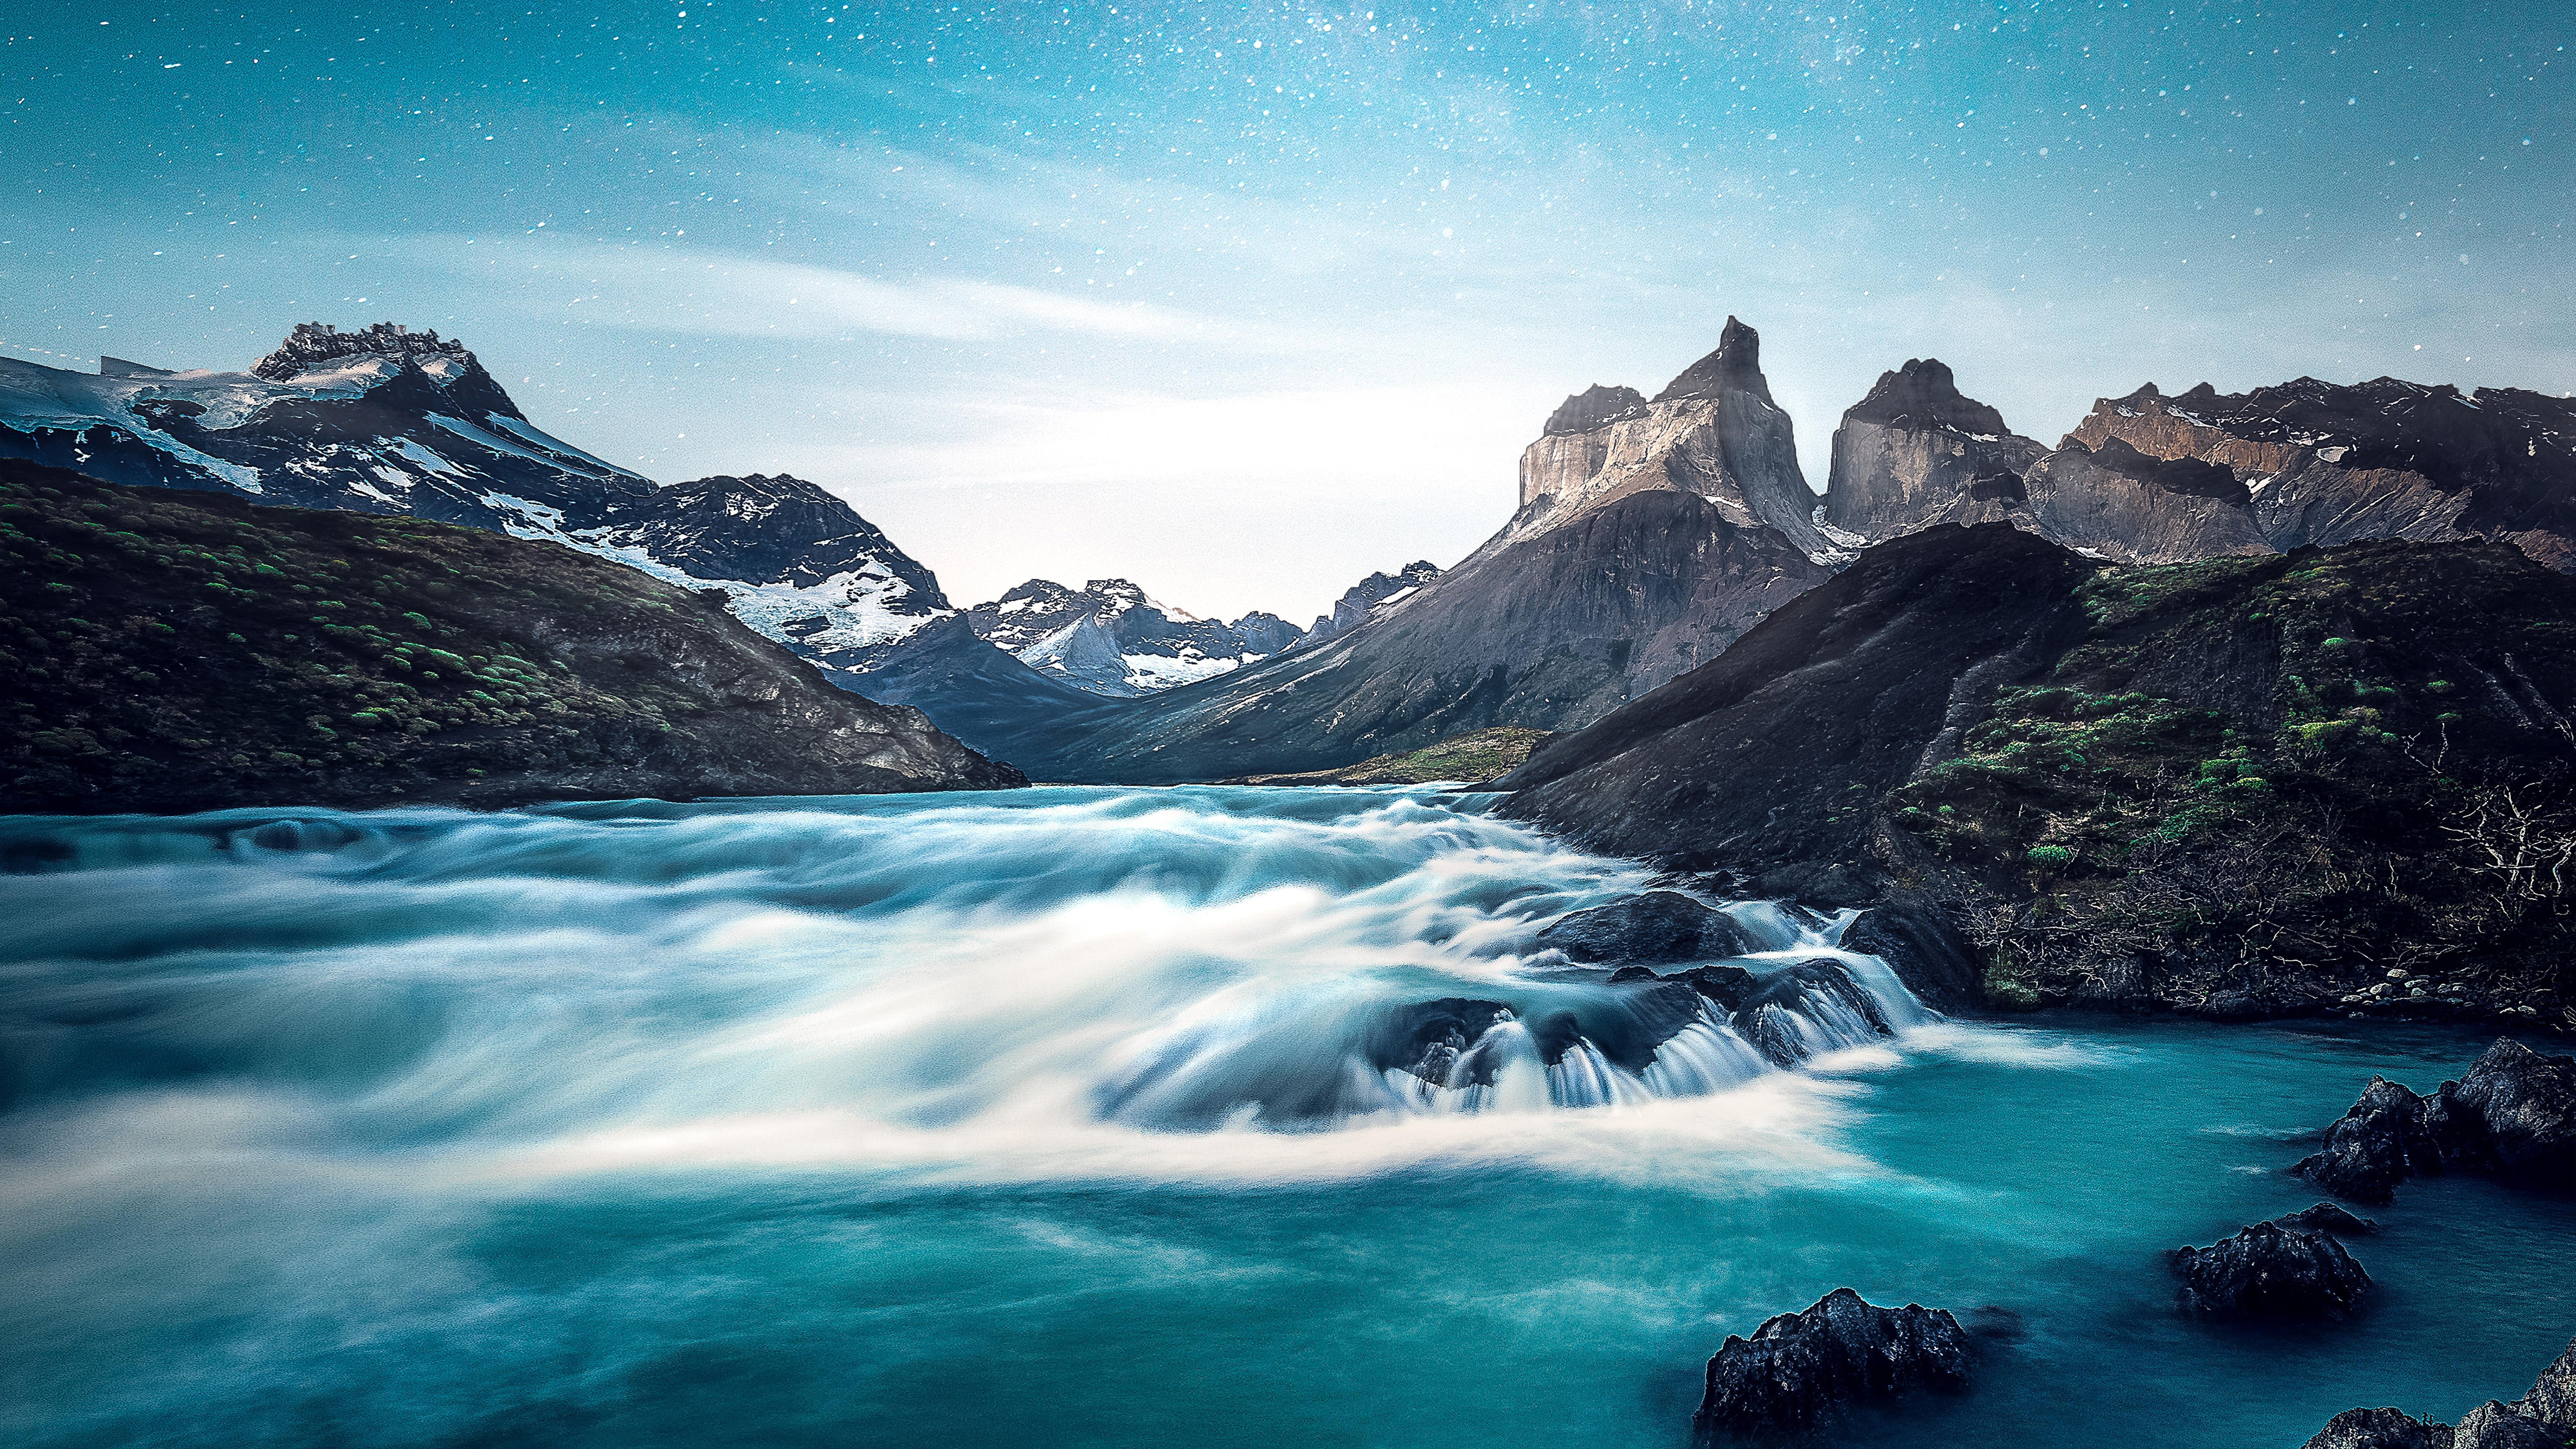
(168,650)
(2241,785)
(1553,630)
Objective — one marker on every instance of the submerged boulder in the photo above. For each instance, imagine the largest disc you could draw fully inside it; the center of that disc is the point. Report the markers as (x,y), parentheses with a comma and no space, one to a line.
(1654,929)
(2268,1271)
(2513,1115)
(2545,1418)
(1802,1371)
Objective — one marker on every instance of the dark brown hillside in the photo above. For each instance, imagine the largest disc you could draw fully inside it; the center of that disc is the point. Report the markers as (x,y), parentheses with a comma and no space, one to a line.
(166,650)
(2239,786)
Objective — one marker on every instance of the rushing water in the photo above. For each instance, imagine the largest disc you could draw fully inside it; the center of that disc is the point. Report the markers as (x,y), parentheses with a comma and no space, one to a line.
(1094,1117)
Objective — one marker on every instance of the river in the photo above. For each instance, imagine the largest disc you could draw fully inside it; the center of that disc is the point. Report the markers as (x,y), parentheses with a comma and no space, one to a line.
(1093,1117)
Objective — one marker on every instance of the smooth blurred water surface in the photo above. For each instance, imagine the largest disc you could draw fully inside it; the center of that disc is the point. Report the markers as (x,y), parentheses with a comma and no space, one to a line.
(855,1122)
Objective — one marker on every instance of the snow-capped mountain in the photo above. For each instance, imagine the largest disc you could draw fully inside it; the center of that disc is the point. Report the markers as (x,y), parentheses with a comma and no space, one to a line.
(388,420)
(1112,638)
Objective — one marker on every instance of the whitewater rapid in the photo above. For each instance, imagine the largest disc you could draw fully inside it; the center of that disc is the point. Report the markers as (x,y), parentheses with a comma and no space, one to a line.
(1056,983)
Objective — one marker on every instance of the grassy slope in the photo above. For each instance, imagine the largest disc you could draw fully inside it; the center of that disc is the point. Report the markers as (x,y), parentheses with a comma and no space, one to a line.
(172,650)
(1473,755)
(2274,775)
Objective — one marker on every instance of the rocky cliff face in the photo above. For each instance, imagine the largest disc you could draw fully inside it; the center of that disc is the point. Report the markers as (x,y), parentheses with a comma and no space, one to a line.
(2118,503)
(185,650)
(1916,452)
(2236,786)
(2325,464)
(1714,432)
(2152,479)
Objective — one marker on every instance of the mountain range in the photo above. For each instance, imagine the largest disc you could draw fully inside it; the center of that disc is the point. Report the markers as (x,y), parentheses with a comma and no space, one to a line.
(387,420)
(1111,638)
(1648,534)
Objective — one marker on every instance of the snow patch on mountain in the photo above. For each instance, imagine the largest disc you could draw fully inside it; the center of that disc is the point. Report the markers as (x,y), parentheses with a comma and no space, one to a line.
(1112,638)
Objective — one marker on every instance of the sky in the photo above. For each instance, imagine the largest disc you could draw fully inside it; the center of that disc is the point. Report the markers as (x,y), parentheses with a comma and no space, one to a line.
(1242,302)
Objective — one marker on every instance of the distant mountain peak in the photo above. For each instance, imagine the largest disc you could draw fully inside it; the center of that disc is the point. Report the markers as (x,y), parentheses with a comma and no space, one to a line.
(1111,637)
(1923,393)
(1736,366)
(1362,599)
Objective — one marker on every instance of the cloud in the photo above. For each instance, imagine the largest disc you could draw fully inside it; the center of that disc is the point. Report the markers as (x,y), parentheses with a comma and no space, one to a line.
(1310,441)
(658,288)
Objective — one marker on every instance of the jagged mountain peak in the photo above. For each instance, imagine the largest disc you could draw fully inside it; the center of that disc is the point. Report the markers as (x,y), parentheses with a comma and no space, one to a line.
(313,345)
(319,347)
(1917,451)
(1923,393)
(1358,601)
(1595,407)
(1736,366)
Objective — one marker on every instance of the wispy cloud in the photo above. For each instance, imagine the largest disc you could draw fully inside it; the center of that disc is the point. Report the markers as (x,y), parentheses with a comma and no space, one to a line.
(708,293)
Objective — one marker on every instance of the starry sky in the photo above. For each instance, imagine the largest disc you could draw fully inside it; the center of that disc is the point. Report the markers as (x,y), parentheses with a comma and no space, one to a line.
(1243,301)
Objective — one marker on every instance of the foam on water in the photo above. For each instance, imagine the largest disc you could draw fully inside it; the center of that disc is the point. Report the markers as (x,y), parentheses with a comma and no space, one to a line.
(1082,967)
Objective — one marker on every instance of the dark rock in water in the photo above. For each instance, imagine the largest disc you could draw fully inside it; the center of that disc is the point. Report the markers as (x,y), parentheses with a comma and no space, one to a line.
(1429,1038)
(2325,1217)
(2524,1105)
(1437,1040)
(2545,1418)
(1728,986)
(2513,1115)
(1802,1371)
(2376,1145)
(2380,1429)
(1656,928)
(1805,992)
(1626,974)
(1924,946)
(2268,1271)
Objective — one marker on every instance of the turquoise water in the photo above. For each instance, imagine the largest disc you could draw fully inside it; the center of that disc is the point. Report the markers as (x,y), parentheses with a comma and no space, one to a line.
(1051,1118)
